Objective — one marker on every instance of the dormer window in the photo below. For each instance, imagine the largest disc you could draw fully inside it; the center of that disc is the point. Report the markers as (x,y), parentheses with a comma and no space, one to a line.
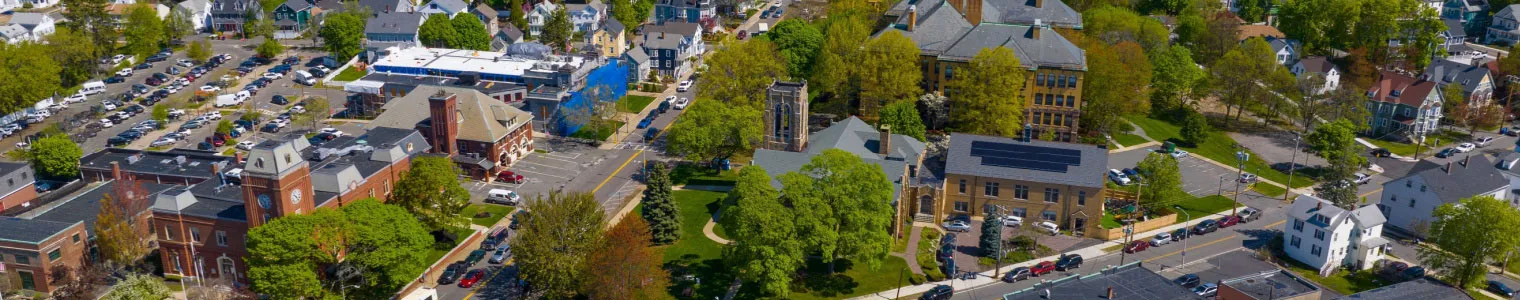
(1394,93)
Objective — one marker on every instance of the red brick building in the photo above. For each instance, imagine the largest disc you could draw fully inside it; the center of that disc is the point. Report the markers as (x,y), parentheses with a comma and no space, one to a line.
(17,185)
(481,134)
(30,248)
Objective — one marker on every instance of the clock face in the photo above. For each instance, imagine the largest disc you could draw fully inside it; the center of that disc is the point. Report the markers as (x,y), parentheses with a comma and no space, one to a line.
(264,201)
(295,196)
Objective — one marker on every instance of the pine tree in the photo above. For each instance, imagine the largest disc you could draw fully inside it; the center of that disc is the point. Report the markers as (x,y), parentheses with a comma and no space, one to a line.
(660,209)
(992,234)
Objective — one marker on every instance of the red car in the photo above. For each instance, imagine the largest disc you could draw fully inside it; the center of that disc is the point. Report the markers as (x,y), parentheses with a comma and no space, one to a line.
(509,177)
(1228,221)
(1042,268)
(1137,246)
(470,279)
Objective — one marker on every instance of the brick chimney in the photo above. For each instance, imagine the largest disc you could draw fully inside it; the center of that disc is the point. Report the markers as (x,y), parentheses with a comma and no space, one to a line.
(237,157)
(445,122)
(885,146)
(1039,3)
(913,17)
(1448,167)
(115,170)
(216,171)
(1034,31)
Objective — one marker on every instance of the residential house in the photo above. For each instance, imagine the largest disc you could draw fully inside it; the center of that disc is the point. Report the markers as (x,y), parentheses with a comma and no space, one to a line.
(1453,36)
(1409,201)
(671,45)
(1284,50)
(1476,81)
(487,16)
(292,18)
(1055,182)
(483,135)
(1403,105)
(1327,238)
(1247,31)
(445,7)
(539,16)
(378,7)
(1054,66)
(1423,288)
(392,29)
(20,185)
(1504,27)
(507,36)
(1472,15)
(37,25)
(610,39)
(15,34)
(1509,166)
(587,17)
(899,156)
(199,13)
(1274,284)
(1318,66)
(228,16)
(36,3)
(638,64)
(685,11)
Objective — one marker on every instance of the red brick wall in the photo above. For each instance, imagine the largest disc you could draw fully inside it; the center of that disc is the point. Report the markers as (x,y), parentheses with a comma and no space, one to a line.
(26,193)
(168,225)
(39,264)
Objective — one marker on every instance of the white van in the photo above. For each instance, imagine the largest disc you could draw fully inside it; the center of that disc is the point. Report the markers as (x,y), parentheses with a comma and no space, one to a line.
(93,87)
(503,197)
(305,78)
(228,100)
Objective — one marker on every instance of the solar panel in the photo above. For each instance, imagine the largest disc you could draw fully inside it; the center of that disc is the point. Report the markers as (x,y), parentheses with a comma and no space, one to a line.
(1029,157)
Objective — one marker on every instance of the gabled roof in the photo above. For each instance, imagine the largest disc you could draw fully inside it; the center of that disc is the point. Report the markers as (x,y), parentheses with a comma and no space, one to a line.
(636,55)
(1368,216)
(482,118)
(1398,88)
(1317,64)
(669,35)
(1448,72)
(1511,12)
(30,20)
(1278,44)
(31,231)
(1000,157)
(297,5)
(855,136)
(456,6)
(593,4)
(1463,180)
(1248,31)
(1024,12)
(195,7)
(13,32)
(938,27)
(1050,49)
(1454,28)
(394,22)
(1423,288)
(1306,207)
(484,10)
(612,25)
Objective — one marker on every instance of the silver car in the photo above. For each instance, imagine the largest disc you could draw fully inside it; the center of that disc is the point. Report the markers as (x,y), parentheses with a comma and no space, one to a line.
(958,225)
(1161,239)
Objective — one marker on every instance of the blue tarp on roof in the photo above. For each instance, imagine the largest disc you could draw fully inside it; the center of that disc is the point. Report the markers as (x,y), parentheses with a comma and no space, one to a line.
(611,77)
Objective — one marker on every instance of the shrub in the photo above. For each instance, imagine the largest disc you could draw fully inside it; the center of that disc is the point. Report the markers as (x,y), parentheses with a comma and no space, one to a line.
(1124,127)
(934,275)
(916,279)
(1195,129)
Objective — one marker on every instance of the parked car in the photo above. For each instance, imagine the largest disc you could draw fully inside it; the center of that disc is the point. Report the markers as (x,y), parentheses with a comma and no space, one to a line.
(1501,289)
(1207,226)
(452,273)
(1187,281)
(1042,268)
(645,123)
(1133,173)
(1380,152)
(938,292)
(1397,266)
(1206,290)
(1012,221)
(510,177)
(1047,226)
(1361,178)
(1019,273)
(1161,239)
(1466,147)
(684,86)
(1228,221)
(475,256)
(1484,141)
(1448,152)
(1118,177)
(1179,154)
(1069,261)
(1136,246)
(1248,178)
(682,103)
(1181,234)
(142,66)
(470,279)
(652,133)
(1248,214)
(1413,273)
(958,225)
(500,256)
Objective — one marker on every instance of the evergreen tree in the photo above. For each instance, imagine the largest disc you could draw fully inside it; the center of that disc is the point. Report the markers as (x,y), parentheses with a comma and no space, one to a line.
(1195,128)
(992,233)
(660,208)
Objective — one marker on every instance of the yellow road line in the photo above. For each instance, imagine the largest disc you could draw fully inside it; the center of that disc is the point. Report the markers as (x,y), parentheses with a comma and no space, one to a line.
(657,136)
(1369,193)
(1279,222)
(1192,248)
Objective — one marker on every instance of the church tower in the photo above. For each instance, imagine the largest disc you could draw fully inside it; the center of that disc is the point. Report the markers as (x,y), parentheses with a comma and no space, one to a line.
(786,116)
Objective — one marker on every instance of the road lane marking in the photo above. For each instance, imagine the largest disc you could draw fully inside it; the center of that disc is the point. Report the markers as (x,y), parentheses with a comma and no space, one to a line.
(543,165)
(1192,248)
(1369,193)
(488,280)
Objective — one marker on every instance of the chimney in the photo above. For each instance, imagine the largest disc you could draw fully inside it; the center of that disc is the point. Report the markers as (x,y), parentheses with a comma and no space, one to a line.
(115,170)
(1110,289)
(1040,4)
(1034,31)
(237,157)
(913,17)
(885,146)
(1319,205)
(387,8)
(445,122)
(216,170)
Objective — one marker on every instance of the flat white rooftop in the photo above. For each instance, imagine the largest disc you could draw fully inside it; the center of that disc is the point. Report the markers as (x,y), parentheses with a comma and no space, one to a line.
(420,59)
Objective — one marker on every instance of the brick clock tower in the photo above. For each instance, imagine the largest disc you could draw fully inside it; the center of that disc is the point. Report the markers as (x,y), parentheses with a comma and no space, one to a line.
(276,182)
(444,122)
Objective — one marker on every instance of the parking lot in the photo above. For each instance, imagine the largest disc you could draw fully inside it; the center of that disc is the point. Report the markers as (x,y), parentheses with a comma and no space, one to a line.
(1199,178)
(968,248)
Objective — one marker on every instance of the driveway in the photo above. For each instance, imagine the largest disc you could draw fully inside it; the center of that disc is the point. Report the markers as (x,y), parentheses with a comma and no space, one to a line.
(1276,147)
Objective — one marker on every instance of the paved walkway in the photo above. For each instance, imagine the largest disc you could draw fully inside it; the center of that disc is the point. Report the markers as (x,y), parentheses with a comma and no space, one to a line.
(911,254)
(712,223)
(1139,132)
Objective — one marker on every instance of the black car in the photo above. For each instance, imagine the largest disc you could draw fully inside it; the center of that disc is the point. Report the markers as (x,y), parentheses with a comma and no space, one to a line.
(280,100)
(939,292)
(142,66)
(1380,152)
(160,93)
(1069,261)
(292,60)
(1448,152)
(452,273)
(271,128)
(1207,226)
(115,79)
(1181,234)
(316,72)
(1501,289)
(117,141)
(946,252)
(475,257)
(650,134)
(151,100)
(1187,281)
(1019,273)
(134,109)
(282,69)
(158,57)
(1413,273)
(947,239)
(518,218)
(204,146)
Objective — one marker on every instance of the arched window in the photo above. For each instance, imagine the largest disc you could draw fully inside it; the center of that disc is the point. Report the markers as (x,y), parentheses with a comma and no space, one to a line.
(226,267)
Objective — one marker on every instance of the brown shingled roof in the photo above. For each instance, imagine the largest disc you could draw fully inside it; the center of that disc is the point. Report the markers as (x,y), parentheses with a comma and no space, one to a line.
(1411,91)
(1250,31)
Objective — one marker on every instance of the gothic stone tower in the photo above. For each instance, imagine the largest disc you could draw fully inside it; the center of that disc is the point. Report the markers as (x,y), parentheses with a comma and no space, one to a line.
(786,116)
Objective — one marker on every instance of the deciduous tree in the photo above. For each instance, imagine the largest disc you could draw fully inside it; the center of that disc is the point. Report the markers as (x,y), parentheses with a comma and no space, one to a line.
(138,286)
(1118,24)
(431,190)
(888,72)
(765,248)
(558,30)
(554,244)
(628,266)
(71,283)
(1475,117)
(317,110)
(517,19)
(858,215)
(343,35)
(903,117)
(382,240)
(713,129)
(74,53)
(1336,142)
(472,34)
(1163,181)
(660,209)
(1117,83)
(20,84)
(739,73)
(1195,128)
(438,31)
(798,42)
(1174,74)
(199,51)
(56,156)
(1238,76)
(985,98)
(90,17)
(178,25)
(270,48)
(835,66)
(1469,235)
(147,30)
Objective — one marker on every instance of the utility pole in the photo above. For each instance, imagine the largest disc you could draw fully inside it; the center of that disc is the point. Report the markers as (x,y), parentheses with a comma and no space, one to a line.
(1129,229)
(1292,165)
(1240,156)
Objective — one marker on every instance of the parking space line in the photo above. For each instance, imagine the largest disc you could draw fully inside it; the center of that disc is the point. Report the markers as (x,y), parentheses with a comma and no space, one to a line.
(544,165)
(551,156)
(577,155)
(542,174)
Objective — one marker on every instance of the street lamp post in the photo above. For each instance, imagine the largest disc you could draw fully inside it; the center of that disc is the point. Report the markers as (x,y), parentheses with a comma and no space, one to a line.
(1184,229)
(1240,169)
(1292,165)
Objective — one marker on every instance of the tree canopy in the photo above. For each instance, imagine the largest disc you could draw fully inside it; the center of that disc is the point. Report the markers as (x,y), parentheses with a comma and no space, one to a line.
(628,266)
(558,31)
(555,243)
(1118,24)
(431,190)
(438,31)
(56,156)
(842,207)
(1467,236)
(739,73)
(147,30)
(270,48)
(20,82)
(383,241)
(798,42)
(713,129)
(765,248)
(343,35)
(1173,77)
(1117,83)
(660,209)
(903,118)
(472,33)
(1163,181)
(138,286)
(1336,142)
(986,98)
(888,72)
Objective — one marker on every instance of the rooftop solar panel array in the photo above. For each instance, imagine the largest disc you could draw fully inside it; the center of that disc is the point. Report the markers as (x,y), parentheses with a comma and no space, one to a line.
(1027,157)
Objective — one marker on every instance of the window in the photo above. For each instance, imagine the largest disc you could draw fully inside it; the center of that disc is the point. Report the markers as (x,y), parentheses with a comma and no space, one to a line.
(1081,198)
(1422,189)
(1295,242)
(1393,198)
(991,190)
(23,259)
(1052,195)
(1019,212)
(1039,79)
(1060,101)
(195,234)
(55,254)
(1408,183)
(1049,215)
(1298,225)
(27,282)
(1411,202)
(1314,249)
(962,206)
(168,235)
(1319,234)
(221,238)
(1020,192)
(76,238)
(963,187)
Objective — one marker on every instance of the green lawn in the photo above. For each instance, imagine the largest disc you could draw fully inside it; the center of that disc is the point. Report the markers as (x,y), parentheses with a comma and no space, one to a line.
(1271,190)
(1218,147)
(1341,281)
(1109,222)
(1204,206)
(852,279)
(598,133)
(1126,140)
(497,212)
(1401,149)
(439,250)
(634,104)
(696,175)
(696,209)
(349,74)
(1433,143)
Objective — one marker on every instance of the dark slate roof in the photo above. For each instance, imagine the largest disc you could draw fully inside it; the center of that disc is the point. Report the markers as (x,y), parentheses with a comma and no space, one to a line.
(777,163)
(612,25)
(394,22)
(197,163)
(1317,64)
(1479,176)
(1049,50)
(1424,288)
(851,135)
(1088,172)
(1023,12)
(31,231)
(668,35)
(510,31)
(1446,72)
(1274,284)
(297,5)
(215,200)
(938,27)
(1128,282)
(85,205)
(637,55)
(17,170)
(1454,28)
